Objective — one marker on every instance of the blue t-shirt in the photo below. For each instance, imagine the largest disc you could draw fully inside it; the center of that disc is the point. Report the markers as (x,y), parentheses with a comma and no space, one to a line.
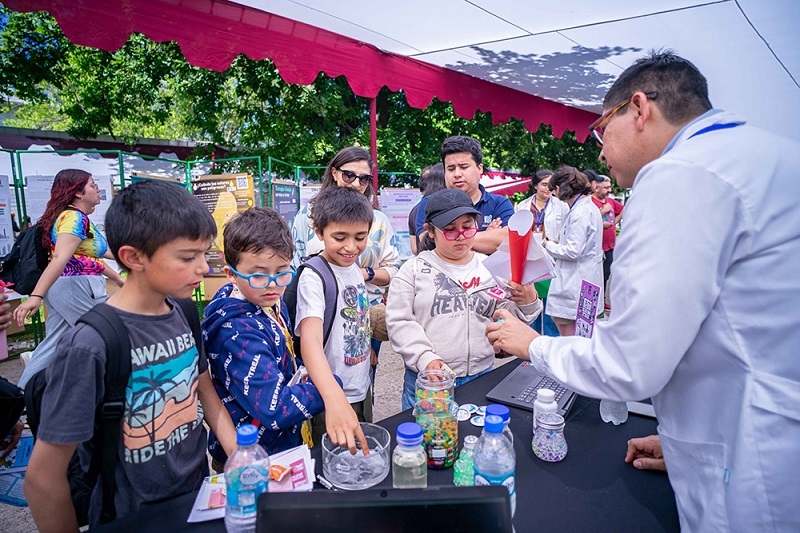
(490,205)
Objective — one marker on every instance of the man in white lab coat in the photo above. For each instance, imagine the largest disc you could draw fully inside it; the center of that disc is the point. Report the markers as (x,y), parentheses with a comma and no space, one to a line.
(706,303)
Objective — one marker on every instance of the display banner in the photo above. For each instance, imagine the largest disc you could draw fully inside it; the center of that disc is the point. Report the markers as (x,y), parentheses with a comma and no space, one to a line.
(6,229)
(397,204)
(286,199)
(307,192)
(224,195)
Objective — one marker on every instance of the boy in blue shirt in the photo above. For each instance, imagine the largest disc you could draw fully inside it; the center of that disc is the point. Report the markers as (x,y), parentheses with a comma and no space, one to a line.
(247,335)
(159,233)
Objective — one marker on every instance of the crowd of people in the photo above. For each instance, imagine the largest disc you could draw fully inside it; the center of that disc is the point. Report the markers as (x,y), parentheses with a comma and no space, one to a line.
(702,307)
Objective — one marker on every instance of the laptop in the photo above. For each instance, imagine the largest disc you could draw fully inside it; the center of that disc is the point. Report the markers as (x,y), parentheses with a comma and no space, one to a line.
(442,509)
(518,389)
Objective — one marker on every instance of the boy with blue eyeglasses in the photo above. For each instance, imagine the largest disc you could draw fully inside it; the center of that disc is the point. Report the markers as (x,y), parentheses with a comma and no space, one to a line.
(247,335)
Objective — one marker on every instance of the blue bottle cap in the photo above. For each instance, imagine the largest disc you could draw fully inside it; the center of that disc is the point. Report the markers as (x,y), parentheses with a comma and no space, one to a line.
(246,434)
(493,424)
(409,434)
(499,410)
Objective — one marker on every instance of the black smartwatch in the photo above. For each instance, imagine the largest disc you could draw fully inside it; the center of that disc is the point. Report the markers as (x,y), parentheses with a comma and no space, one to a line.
(370,273)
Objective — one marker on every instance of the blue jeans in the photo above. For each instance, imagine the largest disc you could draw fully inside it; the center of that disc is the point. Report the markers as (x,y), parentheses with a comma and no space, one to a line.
(544,324)
(410,385)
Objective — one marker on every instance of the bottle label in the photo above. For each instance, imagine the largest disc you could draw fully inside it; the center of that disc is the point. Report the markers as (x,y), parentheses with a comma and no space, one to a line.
(506,479)
(244,485)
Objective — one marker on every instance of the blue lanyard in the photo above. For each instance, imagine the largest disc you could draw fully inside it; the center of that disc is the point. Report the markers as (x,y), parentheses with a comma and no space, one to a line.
(714,127)
(575,200)
(538,218)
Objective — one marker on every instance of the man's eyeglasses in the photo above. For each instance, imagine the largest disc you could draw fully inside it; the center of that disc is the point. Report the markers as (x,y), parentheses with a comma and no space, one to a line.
(349,177)
(453,234)
(598,127)
(262,281)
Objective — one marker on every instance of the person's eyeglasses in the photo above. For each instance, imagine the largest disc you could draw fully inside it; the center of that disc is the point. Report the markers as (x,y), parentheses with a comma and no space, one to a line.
(453,234)
(598,127)
(262,281)
(349,177)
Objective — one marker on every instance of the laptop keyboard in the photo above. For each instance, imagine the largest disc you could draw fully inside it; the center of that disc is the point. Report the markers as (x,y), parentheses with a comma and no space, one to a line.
(529,394)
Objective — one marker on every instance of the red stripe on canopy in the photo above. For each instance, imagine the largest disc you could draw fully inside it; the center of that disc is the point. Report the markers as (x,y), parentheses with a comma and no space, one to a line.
(211,33)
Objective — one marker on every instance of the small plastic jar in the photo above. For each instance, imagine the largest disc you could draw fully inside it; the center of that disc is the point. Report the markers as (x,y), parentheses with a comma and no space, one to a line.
(434,384)
(409,460)
(549,443)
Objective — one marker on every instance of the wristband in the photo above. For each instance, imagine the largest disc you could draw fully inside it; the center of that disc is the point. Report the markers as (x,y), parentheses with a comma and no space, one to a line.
(38,296)
(370,273)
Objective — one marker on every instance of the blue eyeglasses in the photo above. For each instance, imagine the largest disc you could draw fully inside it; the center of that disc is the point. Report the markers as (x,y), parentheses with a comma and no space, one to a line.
(262,281)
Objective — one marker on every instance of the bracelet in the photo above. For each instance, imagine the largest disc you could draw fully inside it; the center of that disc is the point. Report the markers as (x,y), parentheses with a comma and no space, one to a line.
(38,296)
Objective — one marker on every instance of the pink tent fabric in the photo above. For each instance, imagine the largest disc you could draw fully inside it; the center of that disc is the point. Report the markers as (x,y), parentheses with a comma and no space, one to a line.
(211,33)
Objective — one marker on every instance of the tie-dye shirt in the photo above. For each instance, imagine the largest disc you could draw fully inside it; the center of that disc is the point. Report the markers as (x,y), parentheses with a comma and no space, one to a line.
(87,259)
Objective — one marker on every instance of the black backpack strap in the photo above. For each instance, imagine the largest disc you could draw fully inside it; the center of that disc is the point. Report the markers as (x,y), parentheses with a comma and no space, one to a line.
(105,444)
(192,316)
(330,289)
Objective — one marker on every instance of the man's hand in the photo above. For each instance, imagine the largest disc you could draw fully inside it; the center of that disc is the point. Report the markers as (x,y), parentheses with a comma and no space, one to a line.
(511,335)
(645,453)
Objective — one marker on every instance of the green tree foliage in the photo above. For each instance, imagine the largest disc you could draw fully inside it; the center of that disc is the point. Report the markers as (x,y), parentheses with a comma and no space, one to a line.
(147,89)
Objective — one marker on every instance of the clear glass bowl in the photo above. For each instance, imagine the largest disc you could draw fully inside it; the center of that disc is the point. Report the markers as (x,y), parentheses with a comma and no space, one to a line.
(357,472)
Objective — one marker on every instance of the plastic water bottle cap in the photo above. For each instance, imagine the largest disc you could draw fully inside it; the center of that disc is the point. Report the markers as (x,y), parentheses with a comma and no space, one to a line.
(470,441)
(499,410)
(546,395)
(246,434)
(409,434)
(493,424)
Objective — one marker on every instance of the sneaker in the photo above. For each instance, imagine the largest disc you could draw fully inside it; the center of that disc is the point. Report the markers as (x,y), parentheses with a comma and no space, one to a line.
(25,357)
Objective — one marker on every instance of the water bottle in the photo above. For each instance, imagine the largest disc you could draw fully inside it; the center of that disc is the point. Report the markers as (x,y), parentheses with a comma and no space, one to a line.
(246,477)
(494,459)
(464,470)
(614,412)
(503,412)
(545,403)
(409,460)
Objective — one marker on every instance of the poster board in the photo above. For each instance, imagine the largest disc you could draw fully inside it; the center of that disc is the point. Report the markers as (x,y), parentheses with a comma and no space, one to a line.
(6,231)
(307,192)
(397,204)
(285,199)
(224,195)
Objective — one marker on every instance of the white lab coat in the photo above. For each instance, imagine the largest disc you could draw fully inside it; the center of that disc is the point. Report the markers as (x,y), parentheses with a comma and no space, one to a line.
(705,321)
(579,256)
(554,214)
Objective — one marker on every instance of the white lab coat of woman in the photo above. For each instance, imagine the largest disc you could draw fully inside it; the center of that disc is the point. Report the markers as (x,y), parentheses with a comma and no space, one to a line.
(579,256)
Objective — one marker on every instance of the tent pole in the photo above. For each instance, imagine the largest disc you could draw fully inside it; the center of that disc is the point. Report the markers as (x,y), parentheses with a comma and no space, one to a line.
(373,145)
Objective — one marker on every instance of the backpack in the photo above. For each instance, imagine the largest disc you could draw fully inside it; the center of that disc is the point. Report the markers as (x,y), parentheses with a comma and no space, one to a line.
(330,288)
(24,264)
(108,416)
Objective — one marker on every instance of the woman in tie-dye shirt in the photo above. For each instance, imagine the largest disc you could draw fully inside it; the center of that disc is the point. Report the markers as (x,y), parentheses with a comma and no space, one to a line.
(73,281)
(380,261)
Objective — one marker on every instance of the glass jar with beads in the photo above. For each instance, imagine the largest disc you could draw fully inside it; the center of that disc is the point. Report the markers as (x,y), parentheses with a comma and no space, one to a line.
(549,443)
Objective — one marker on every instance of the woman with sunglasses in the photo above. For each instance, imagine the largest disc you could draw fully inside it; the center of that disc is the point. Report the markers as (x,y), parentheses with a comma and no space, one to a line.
(440,301)
(73,281)
(578,248)
(380,261)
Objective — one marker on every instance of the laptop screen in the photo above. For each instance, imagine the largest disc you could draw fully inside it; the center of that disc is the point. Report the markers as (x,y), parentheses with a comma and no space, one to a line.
(441,509)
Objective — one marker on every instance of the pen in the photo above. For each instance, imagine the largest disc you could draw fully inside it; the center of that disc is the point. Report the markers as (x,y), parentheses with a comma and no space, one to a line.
(325,483)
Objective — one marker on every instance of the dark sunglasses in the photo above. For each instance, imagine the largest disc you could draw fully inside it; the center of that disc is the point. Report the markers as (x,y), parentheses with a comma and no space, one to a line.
(349,177)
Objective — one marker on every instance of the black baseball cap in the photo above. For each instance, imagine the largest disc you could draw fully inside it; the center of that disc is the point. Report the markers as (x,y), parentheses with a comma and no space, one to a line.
(447,205)
(592,175)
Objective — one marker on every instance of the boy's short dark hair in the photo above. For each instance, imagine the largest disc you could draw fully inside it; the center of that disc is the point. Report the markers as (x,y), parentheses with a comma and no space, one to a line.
(459,144)
(256,230)
(149,214)
(340,204)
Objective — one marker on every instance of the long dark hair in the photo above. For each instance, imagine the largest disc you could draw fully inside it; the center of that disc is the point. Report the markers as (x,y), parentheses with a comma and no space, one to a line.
(67,184)
(570,182)
(346,155)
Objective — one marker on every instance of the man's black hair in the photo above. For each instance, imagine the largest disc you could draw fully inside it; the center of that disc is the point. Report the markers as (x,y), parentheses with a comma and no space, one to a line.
(340,204)
(460,144)
(682,89)
(149,214)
